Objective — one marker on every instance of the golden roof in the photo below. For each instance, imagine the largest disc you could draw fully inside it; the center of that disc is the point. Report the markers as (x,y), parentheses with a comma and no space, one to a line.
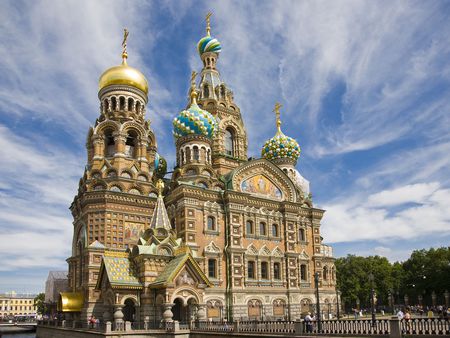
(123,74)
(71,302)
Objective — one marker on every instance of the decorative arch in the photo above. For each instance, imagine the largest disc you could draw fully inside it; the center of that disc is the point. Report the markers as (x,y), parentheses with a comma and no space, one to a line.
(107,124)
(137,127)
(267,169)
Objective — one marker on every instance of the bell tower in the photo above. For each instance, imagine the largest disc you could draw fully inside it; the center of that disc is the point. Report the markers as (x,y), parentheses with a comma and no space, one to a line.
(116,194)
(229,145)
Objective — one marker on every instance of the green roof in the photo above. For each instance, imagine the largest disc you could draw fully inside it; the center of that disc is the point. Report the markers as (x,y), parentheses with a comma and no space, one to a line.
(120,271)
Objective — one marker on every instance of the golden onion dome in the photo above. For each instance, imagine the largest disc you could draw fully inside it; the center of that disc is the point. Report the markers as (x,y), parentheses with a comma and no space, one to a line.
(123,74)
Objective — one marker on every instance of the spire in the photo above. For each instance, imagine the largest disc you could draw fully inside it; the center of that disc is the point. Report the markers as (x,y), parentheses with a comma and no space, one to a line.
(193,92)
(160,218)
(277,116)
(124,46)
(208,24)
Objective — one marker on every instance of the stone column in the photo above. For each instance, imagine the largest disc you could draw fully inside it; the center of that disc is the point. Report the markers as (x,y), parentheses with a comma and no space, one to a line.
(168,314)
(99,147)
(201,313)
(118,317)
(119,140)
(395,330)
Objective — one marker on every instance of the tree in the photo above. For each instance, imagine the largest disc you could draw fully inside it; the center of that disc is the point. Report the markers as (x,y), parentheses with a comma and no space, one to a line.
(39,302)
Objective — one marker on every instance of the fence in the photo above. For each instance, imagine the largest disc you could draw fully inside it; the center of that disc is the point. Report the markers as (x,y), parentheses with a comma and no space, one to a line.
(392,328)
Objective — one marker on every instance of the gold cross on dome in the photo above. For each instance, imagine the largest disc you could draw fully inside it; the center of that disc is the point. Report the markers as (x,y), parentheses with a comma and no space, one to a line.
(208,23)
(193,76)
(124,43)
(277,113)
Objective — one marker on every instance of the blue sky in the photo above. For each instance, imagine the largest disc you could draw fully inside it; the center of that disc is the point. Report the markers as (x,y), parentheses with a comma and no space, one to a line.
(365,87)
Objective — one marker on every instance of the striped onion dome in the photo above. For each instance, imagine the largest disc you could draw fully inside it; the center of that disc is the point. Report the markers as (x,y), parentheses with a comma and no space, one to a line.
(208,44)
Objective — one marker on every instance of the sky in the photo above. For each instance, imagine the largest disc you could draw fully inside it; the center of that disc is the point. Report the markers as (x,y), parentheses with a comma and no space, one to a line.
(365,88)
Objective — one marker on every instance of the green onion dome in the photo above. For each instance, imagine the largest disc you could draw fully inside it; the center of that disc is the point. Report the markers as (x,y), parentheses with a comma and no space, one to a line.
(281,146)
(194,121)
(208,44)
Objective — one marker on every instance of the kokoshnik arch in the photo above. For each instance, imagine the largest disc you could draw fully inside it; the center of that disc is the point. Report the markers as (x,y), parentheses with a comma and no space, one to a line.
(225,237)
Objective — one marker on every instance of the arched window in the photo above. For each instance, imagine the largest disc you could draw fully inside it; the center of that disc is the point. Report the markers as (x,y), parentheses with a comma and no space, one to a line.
(130,144)
(303,272)
(211,223)
(229,142)
(106,105)
(212,268)
(113,103)
(138,107)
(121,103)
(249,228)
(264,270)
(110,148)
(130,104)
(251,270)
(276,271)
(205,91)
(196,154)
(275,230)
(325,273)
(262,229)
(301,235)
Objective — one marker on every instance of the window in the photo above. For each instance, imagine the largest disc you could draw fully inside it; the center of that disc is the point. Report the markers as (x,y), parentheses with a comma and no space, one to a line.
(130,144)
(302,236)
(264,271)
(249,228)
(212,268)
(276,271)
(206,91)
(109,142)
(196,154)
(211,223)
(228,142)
(303,272)
(262,229)
(325,273)
(251,270)
(275,230)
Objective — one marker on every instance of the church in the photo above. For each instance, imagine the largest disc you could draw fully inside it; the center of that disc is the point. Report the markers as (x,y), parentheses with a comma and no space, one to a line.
(220,237)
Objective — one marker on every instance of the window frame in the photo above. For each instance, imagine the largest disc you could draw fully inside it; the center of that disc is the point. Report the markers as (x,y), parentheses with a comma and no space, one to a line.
(265,270)
(212,273)
(252,265)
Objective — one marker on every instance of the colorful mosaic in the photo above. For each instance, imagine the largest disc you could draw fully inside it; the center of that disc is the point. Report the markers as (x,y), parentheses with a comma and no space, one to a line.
(120,271)
(208,44)
(261,185)
(281,146)
(194,121)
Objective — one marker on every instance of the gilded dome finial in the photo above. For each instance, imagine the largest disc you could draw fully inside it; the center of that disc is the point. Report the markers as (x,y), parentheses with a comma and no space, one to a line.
(160,186)
(208,24)
(124,46)
(277,114)
(193,91)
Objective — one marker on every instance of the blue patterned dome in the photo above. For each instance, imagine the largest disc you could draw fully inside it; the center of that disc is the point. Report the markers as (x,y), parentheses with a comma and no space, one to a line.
(281,146)
(194,121)
(208,44)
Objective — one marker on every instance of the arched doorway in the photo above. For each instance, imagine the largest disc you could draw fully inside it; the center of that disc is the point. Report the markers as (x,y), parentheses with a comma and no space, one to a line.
(129,310)
(177,309)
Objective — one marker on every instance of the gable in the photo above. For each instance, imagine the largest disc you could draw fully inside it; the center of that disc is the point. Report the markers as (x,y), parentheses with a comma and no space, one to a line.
(264,179)
(183,268)
(117,268)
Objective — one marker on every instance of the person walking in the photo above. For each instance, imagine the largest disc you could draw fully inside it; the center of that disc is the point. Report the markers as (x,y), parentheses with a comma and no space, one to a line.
(309,322)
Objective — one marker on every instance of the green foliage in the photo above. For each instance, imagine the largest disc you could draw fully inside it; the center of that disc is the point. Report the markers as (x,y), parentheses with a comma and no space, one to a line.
(425,271)
(41,307)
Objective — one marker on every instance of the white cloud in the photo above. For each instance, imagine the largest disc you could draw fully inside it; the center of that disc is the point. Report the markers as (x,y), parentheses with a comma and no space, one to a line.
(415,193)
(355,220)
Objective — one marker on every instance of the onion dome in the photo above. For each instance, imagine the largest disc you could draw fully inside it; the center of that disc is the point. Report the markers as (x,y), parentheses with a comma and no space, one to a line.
(194,120)
(208,43)
(123,74)
(280,146)
(160,166)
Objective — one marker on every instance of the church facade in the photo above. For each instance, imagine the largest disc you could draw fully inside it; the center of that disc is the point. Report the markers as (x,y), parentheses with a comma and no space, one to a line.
(223,237)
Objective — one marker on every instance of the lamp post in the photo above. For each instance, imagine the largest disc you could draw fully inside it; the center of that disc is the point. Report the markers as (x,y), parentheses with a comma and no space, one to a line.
(372,298)
(319,319)
(338,293)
